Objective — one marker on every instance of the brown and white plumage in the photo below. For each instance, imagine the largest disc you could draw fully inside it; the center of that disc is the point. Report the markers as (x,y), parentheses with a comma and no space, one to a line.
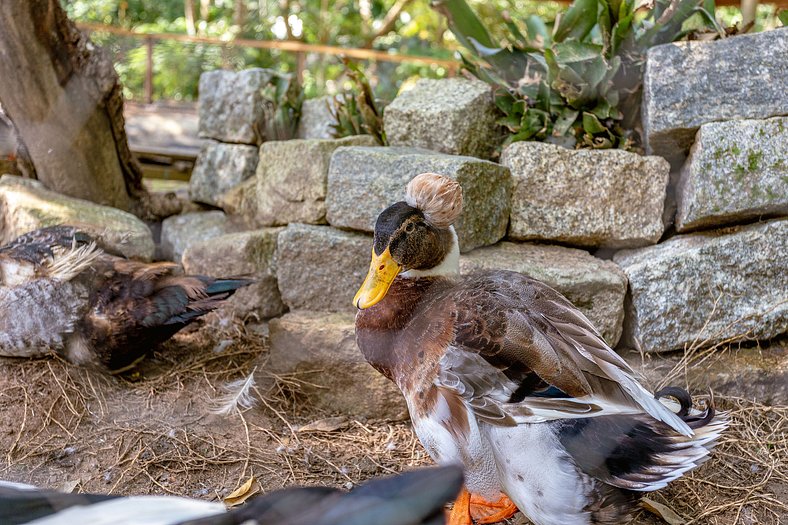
(505,376)
(60,293)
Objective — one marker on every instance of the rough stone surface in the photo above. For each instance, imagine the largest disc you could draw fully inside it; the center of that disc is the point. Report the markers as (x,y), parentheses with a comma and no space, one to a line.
(320,348)
(687,84)
(362,182)
(321,268)
(609,198)
(316,119)
(241,202)
(708,287)
(736,171)
(248,253)
(595,286)
(292,178)
(180,231)
(452,115)
(26,205)
(755,373)
(232,105)
(219,168)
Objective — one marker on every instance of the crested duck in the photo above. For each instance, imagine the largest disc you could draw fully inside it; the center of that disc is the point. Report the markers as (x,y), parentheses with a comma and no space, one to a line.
(504,376)
(412,498)
(61,293)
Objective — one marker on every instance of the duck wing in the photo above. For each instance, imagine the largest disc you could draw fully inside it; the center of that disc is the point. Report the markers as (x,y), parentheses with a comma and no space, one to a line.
(523,353)
(141,304)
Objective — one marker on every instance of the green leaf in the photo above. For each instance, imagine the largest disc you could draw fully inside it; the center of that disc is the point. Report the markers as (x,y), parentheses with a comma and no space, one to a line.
(544,98)
(667,31)
(783,16)
(591,124)
(572,51)
(521,40)
(595,73)
(537,30)
(564,122)
(511,122)
(510,63)
(505,103)
(464,23)
(710,20)
(605,24)
(602,110)
(577,21)
(622,30)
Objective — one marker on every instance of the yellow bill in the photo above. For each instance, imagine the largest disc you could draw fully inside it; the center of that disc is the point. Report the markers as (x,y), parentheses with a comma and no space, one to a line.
(382,271)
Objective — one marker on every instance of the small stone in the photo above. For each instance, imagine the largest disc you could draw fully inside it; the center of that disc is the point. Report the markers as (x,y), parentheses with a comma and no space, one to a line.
(292,177)
(362,182)
(320,348)
(316,120)
(593,198)
(27,205)
(595,286)
(219,168)
(704,288)
(180,231)
(321,268)
(736,171)
(749,75)
(453,115)
(244,254)
(233,104)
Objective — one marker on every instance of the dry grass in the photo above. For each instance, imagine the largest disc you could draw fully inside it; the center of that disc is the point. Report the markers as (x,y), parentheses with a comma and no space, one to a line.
(152,432)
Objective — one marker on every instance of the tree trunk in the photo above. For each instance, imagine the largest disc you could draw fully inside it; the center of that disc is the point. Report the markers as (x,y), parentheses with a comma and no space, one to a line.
(204,9)
(63,95)
(188,13)
(239,13)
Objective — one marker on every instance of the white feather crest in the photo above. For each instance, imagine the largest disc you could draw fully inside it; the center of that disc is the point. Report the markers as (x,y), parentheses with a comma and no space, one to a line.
(67,264)
(437,196)
(238,396)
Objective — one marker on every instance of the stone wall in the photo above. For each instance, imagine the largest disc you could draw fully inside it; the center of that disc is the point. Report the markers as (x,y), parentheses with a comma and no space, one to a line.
(595,225)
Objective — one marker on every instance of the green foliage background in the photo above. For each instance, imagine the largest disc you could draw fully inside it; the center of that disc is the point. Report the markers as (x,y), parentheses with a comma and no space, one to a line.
(420,30)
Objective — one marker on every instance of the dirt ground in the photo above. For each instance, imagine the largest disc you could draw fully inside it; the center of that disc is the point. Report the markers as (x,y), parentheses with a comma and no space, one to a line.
(151,431)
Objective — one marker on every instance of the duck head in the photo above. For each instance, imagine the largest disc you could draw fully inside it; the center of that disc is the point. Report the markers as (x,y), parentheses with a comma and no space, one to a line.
(414,237)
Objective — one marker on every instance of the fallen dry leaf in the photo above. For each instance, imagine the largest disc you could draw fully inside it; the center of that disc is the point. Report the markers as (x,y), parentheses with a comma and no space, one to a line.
(242,493)
(663,511)
(329,424)
(69,486)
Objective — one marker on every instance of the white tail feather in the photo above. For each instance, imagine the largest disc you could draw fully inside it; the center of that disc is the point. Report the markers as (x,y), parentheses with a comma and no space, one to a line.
(237,398)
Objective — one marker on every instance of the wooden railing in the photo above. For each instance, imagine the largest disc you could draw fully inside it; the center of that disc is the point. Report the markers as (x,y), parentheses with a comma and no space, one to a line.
(299,48)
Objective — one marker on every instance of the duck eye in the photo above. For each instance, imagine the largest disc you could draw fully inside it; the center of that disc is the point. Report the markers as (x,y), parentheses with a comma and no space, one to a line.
(410,227)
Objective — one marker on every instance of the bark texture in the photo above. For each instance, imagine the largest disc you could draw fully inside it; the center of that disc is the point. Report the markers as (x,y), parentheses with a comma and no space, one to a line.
(62,93)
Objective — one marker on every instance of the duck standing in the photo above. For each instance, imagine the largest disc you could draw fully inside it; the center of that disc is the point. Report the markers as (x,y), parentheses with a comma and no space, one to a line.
(61,293)
(504,376)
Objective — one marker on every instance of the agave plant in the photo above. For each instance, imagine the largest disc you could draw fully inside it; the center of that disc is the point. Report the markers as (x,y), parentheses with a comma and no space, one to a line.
(577,81)
(357,112)
(282,100)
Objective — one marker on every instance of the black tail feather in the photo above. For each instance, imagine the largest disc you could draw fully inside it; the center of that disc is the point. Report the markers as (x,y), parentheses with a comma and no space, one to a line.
(685,400)
(228,286)
(218,290)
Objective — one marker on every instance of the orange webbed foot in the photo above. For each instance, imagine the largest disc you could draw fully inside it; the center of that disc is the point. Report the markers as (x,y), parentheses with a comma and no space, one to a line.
(460,513)
(485,512)
(469,509)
